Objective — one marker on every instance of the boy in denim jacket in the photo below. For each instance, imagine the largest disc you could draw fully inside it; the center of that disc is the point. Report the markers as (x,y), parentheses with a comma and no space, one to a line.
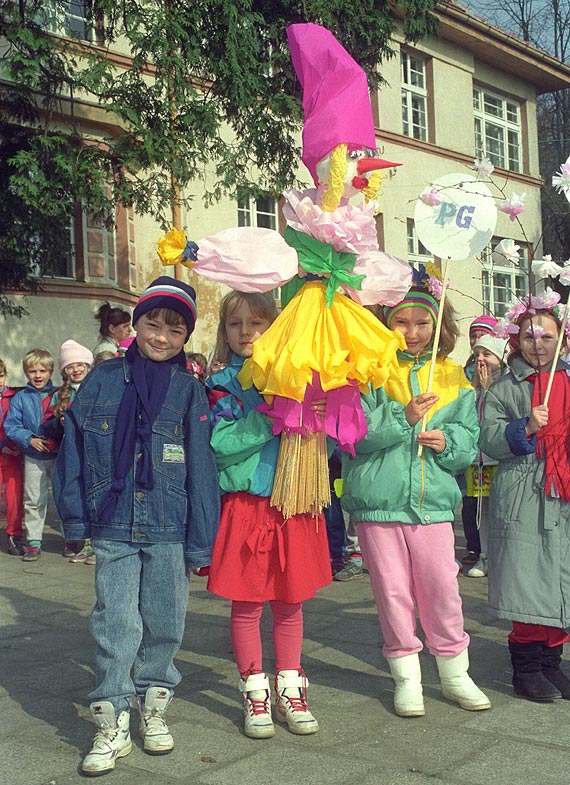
(136,474)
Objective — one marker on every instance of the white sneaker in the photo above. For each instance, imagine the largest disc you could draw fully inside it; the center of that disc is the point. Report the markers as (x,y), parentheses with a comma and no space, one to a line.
(479,569)
(152,727)
(291,702)
(256,695)
(112,740)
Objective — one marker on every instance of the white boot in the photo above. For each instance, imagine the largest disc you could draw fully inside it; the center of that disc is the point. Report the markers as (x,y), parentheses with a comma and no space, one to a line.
(112,740)
(408,697)
(152,726)
(256,695)
(458,686)
(291,702)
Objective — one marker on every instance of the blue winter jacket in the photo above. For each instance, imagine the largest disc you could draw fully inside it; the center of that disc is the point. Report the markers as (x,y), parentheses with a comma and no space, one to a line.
(24,418)
(183,505)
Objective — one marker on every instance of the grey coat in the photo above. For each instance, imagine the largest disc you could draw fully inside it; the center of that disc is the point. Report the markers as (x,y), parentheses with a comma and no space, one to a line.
(529,533)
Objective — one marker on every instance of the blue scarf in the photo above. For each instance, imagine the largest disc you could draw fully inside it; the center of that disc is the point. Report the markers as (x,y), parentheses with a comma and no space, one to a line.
(140,406)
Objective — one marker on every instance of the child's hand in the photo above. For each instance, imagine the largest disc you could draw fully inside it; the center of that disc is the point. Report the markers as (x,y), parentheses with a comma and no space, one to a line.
(482,376)
(418,406)
(537,420)
(434,439)
(39,444)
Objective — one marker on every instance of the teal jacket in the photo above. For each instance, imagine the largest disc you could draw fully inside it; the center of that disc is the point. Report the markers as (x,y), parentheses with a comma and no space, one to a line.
(387,480)
(242,438)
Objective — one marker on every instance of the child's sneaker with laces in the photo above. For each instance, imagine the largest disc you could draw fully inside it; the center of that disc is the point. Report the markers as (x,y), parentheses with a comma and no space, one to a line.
(32,553)
(82,556)
(479,569)
(152,727)
(256,695)
(112,740)
(291,704)
(16,545)
(70,549)
(353,569)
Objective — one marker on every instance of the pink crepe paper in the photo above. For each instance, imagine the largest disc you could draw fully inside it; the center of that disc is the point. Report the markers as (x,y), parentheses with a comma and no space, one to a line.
(344,419)
(387,280)
(431,198)
(335,94)
(247,259)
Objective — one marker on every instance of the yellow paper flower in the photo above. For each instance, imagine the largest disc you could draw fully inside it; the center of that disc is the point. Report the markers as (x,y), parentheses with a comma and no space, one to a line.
(433,271)
(171,247)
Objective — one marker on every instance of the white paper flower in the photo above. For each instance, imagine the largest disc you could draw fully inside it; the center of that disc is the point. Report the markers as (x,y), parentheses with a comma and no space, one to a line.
(483,166)
(506,251)
(561,180)
(544,268)
(564,277)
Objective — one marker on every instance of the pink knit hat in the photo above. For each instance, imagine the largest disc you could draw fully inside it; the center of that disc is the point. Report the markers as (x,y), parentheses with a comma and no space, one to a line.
(72,352)
(336,102)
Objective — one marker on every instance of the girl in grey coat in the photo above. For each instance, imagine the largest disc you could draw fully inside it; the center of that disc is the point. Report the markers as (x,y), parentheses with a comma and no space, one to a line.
(529,516)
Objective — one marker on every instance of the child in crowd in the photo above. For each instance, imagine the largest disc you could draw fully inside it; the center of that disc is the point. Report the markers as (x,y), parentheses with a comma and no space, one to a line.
(114,327)
(404,502)
(135,472)
(11,474)
(23,426)
(480,326)
(529,510)
(74,363)
(488,352)
(259,556)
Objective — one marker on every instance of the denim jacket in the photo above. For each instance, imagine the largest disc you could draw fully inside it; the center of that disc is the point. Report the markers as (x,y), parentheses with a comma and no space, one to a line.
(183,505)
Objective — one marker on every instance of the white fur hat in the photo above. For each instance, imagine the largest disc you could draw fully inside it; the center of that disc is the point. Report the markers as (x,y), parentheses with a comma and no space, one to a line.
(496,346)
(72,352)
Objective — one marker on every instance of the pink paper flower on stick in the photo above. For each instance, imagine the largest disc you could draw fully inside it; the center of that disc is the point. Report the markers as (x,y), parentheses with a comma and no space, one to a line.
(483,167)
(435,287)
(545,300)
(431,198)
(514,206)
(561,180)
(505,328)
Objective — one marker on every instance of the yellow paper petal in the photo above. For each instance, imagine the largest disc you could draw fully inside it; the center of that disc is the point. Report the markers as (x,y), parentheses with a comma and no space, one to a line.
(171,246)
(342,343)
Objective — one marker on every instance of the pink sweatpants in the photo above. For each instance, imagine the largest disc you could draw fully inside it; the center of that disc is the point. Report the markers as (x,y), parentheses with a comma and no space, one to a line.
(246,636)
(412,563)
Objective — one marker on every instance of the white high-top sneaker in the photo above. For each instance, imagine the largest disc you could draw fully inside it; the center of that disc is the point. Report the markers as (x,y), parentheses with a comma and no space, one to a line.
(256,706)
(152,727)
(112,740)
(291,702)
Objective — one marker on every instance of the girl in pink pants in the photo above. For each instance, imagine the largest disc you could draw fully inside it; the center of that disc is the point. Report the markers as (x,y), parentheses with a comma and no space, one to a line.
(404,501)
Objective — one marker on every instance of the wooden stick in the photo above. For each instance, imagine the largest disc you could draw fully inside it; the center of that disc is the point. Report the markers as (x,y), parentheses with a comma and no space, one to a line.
(435,346)
(556,354)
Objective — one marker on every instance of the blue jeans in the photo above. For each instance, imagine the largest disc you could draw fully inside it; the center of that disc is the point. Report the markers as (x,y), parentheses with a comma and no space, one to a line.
(138,618)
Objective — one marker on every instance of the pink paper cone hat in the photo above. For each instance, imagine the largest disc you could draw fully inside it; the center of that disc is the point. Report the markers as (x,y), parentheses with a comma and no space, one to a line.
(336,103)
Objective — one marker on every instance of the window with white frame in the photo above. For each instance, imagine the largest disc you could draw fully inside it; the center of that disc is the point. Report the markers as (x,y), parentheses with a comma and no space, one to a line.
(414,96)
(502,283)
(417,252)
(73,18)
(258,211)
(498,130)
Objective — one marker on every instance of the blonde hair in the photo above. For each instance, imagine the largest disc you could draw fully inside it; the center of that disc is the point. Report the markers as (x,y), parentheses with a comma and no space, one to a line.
(3,369)
(38,357)
(102,357)
(262,305)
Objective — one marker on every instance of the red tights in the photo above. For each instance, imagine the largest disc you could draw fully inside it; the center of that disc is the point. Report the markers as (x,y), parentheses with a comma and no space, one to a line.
(246,635)
(538,633)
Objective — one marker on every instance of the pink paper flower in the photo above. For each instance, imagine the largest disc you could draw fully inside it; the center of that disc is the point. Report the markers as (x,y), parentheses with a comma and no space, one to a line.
(435,287)
(517,309)
(505,328)
(545,300)
(513,206)
(483,166)
(431,198)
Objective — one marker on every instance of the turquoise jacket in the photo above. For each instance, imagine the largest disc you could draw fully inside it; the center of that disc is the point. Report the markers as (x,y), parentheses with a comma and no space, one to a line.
(242,438)
(387,480)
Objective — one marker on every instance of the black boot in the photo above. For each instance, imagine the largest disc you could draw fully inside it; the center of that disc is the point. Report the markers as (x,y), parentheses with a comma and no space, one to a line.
(528,679)
(551,658)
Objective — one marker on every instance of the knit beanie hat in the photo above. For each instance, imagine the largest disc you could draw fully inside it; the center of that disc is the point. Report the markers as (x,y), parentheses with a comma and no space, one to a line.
(72,352)
(493,344)
(167,292)
(484,324)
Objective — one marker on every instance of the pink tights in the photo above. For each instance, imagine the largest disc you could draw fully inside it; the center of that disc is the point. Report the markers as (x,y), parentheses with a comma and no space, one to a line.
(246,635)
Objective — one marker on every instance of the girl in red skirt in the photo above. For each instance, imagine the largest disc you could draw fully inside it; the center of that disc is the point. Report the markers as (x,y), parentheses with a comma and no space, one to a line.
(259,556)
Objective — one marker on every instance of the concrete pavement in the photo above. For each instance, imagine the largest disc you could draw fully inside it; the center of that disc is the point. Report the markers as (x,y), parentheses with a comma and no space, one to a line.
(46,669)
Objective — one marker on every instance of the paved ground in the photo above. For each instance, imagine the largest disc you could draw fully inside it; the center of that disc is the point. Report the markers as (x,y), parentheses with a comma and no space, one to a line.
(46,666)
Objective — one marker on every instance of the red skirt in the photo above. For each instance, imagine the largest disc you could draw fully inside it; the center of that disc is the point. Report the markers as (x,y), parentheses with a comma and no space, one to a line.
(259,556)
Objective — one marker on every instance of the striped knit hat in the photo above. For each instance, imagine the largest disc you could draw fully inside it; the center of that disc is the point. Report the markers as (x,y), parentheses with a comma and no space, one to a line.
(167,292)
(413,299)
(483,324)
